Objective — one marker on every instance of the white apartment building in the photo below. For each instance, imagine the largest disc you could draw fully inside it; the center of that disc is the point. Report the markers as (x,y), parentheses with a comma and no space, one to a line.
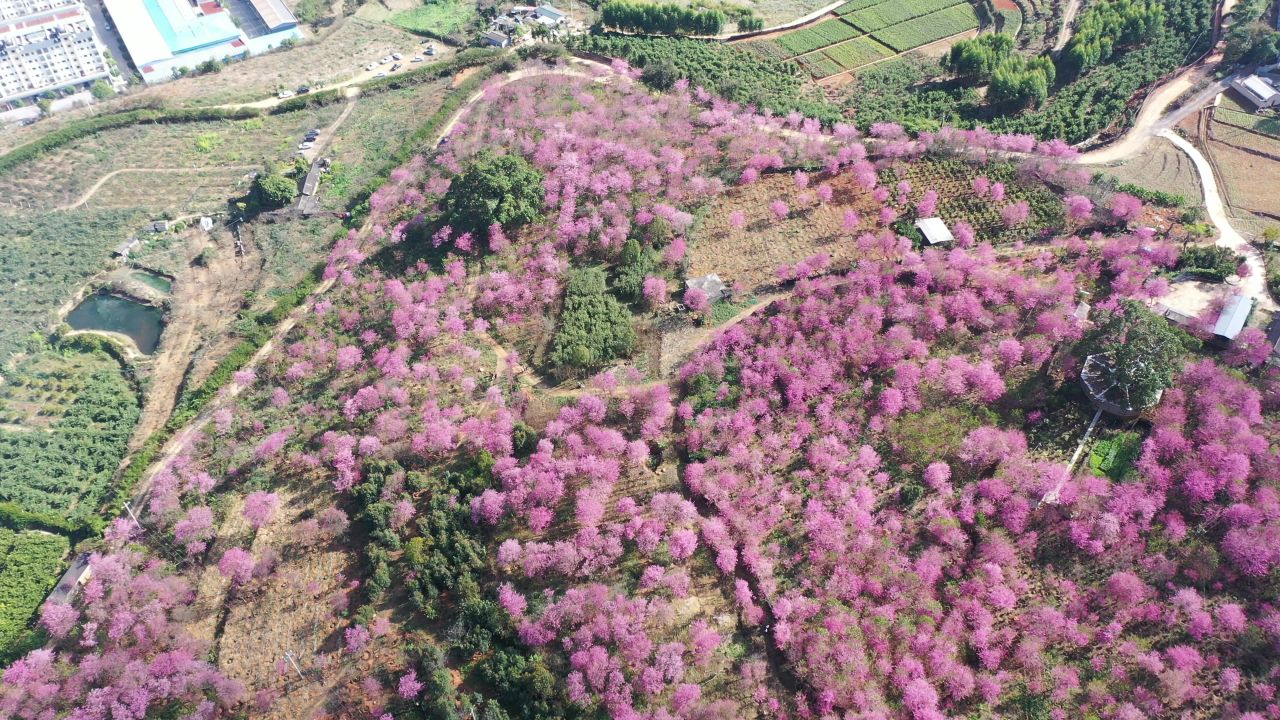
(47,45)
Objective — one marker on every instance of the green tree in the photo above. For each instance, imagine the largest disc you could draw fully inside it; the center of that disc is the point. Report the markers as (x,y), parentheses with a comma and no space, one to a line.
(594,327)
(1020,82)
(502,189)
(101,89)
(977,59)
(1146,350)
(635,263)
(275,190)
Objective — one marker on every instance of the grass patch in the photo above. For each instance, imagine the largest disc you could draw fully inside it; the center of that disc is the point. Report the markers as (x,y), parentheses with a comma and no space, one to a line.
(1115,456)
(435,18)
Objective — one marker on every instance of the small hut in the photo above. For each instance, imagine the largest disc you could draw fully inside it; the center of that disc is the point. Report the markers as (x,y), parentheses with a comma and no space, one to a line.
(935,231)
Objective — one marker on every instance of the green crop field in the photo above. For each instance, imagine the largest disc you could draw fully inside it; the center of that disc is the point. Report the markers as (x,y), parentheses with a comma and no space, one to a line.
(927,29)
(857,52)
(67,470)
(854,5)
(825,33)
(819,65)
(29,566)
(886,14)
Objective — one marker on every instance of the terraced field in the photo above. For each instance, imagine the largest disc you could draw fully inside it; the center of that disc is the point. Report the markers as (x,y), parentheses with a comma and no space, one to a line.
(866,31)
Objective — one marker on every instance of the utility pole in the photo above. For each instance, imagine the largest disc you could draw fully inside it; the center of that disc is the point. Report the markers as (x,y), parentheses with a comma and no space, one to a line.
(291,658)
(128,507)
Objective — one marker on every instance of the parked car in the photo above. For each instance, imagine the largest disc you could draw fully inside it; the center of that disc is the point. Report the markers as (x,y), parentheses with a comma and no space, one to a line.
(385,59)
(381,74)
(396,67)
(370,67)
(431,49)
(285,94)
(304,90)
(306,146)
(416,58)
(397,56)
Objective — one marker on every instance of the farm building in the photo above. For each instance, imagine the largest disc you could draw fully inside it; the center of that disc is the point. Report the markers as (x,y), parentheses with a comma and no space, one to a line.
(548,15)
(75,576)
(166,37)
(1233,318)
(47,45)
(493,38)
(1259,90)
(935,231)
(711,284)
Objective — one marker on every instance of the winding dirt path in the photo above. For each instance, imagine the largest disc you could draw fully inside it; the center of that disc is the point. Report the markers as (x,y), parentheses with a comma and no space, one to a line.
(93,189)
(1068,18)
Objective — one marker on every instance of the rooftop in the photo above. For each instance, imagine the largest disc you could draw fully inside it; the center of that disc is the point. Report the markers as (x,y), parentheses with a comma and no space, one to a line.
(156,30)
(1233,317)
(274,14)
(935,231)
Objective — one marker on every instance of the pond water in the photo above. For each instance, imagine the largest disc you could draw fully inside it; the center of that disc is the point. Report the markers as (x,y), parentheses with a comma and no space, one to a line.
(155,282)
(142,323)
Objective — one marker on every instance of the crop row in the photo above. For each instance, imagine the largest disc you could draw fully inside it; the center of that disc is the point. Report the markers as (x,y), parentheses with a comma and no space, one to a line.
(823,34)
(886,14)
(857,52)
(855,5)
(819,65)
(930,28)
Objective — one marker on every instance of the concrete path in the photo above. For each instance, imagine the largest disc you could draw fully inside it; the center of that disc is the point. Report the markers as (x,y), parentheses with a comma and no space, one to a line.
(1255,286)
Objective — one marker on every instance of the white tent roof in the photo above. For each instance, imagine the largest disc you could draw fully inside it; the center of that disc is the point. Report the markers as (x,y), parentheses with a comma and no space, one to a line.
(935,231)
(1233,317)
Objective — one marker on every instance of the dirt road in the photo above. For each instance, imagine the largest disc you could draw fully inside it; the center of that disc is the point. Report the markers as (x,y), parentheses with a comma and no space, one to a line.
(88,194)
(1068,17)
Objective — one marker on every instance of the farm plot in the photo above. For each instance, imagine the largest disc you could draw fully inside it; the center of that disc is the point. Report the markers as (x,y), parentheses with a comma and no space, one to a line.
(29,566)
(819,65)
(857,52)
(883,15)
(928,28)
(43,386)
(1161,167)
(828,32)
(953,180)
(751,255)
(855,5)
(44,257)
(60,177)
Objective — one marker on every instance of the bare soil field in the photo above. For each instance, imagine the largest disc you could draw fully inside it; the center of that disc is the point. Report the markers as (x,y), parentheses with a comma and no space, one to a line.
(60,178)
(1161,167)
(1250,179)
(200,191)
(751,256)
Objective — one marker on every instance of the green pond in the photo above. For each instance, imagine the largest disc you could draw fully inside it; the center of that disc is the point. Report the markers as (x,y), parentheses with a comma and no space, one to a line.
(142,323)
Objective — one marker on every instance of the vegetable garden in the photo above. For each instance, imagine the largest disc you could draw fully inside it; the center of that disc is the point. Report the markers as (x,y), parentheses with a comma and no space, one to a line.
(869,30)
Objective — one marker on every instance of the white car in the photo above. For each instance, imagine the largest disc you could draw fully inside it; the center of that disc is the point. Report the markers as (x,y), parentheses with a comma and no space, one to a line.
(381,74)
(370,67)
(285,94)
(306,146)
(416,58)
(397,56)
(386,59)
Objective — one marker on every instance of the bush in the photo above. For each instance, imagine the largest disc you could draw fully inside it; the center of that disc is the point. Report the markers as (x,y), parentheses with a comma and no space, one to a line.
(1209,261)
(594,327)
(275,190)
